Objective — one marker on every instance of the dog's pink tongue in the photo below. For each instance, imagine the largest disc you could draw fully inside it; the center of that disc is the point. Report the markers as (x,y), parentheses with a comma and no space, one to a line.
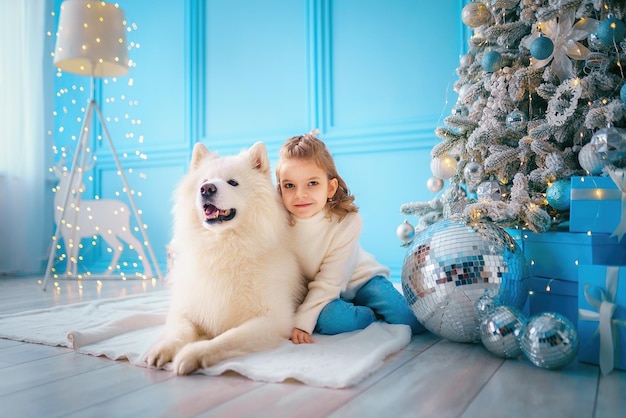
(211,212)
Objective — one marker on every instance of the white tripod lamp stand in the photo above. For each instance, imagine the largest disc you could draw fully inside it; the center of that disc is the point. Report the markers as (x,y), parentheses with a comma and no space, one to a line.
(91,41)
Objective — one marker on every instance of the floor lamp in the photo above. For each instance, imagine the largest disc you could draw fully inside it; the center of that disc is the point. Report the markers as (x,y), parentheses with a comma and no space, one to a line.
(91,41)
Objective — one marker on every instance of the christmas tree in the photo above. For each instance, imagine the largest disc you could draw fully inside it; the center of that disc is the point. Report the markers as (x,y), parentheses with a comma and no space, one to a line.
(541,98)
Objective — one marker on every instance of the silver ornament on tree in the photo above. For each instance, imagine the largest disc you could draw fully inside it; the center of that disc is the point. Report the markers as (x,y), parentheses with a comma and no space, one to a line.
(489,190)
(609,143)
(460,110)
(443,167)
(590,160)
(475,14)
(463,90)
(517,121)
(449,266)
(473,173)
(466,60)
(405,232)
(550,340)
(434,184)
(594,43)
(501,330)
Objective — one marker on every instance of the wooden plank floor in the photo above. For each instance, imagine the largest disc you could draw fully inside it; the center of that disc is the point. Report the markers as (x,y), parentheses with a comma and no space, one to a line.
(429,378)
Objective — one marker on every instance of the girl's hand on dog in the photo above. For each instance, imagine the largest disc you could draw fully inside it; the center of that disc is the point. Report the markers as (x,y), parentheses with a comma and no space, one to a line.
(300,337)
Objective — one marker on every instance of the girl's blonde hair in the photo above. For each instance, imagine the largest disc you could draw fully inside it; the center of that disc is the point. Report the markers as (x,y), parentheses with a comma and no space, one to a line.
(308,147)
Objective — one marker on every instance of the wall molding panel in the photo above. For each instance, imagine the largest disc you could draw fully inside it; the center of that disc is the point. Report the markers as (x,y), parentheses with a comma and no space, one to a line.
(195,70)
(377,65)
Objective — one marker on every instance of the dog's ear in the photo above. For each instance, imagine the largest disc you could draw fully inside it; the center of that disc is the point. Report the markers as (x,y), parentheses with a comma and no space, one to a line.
(258,156)
(200,152)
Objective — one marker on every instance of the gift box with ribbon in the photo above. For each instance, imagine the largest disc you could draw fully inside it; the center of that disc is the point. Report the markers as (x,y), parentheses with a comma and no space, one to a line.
(557,255)
(602,316)
(598,204)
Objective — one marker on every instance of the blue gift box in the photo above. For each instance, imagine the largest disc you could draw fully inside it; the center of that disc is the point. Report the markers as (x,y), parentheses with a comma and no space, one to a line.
(552,295)
(602,316)
(595,204)
(557,255)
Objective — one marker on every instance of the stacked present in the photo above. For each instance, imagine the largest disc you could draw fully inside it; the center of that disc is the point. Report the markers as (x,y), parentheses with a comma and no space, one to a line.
(596,205)
(598,208)
(581,273)
(554,259)
(602,320)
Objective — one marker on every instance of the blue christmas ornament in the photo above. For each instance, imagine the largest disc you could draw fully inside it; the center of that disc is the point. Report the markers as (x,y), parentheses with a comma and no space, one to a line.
(541,48)
(611,30)
(558,194)
(622,93)
(491,61)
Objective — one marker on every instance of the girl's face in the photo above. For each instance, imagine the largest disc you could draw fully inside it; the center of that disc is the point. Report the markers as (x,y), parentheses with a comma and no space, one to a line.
(305,187)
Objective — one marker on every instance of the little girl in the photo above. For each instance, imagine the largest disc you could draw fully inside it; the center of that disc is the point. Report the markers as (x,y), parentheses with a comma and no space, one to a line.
(347,288)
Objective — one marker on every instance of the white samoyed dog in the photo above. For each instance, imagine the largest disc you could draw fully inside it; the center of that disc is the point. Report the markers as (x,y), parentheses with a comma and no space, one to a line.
(235,281)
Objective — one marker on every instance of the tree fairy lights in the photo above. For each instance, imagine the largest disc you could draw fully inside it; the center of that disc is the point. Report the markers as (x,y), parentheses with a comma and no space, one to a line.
(529,120)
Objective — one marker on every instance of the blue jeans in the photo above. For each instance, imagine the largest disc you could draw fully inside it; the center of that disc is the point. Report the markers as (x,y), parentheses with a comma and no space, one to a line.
(377,300)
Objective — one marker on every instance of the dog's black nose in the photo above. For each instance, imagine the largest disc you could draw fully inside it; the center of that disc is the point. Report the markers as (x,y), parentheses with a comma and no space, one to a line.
(208,189)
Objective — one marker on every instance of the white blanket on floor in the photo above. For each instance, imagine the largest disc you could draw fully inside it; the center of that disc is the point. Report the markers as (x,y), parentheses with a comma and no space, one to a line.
(124,328)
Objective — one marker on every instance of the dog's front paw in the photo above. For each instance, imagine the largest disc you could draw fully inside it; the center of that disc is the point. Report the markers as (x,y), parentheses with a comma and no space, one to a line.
(160,354)
(186,361)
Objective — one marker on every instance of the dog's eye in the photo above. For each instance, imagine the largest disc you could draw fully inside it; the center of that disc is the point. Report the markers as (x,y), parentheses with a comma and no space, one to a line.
(233,183)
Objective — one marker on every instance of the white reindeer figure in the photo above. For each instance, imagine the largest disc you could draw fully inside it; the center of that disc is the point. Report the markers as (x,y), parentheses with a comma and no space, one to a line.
(107,218)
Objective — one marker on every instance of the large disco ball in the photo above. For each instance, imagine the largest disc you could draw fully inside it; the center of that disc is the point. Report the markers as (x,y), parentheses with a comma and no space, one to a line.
(449,266)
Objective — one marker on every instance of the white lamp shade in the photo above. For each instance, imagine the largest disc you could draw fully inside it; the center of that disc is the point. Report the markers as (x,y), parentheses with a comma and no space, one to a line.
(91,39)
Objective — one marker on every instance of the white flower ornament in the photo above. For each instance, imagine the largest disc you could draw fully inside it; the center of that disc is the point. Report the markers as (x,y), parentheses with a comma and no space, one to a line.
(565,36)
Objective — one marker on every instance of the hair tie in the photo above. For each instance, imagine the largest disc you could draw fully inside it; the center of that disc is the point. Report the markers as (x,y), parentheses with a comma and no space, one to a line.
(313,132)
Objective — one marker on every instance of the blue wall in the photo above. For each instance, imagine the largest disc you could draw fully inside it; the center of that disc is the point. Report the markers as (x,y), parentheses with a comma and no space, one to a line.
(375,76)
